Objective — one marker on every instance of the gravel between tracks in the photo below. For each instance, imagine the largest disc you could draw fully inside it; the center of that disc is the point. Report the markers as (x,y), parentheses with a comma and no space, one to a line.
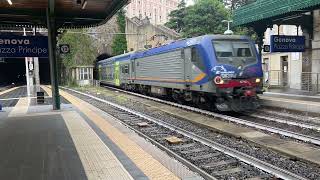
(309,171)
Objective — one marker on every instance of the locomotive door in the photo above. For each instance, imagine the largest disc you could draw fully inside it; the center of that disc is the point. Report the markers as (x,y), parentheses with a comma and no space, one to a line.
(186,55)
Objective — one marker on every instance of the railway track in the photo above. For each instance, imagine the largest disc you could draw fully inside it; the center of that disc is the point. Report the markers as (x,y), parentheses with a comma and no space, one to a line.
(209,158)
(307,120)
(10,99)
(246,120)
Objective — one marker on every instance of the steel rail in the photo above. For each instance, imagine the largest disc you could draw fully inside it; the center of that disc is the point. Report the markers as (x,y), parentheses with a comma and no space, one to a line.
(276,171)
(294,123)
(283,132)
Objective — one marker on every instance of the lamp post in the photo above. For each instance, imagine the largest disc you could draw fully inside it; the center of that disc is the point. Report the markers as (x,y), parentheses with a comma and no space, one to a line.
(228,32)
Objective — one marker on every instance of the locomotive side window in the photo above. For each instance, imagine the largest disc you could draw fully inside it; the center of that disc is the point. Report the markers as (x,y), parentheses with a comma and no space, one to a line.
(196,58)
(194,55)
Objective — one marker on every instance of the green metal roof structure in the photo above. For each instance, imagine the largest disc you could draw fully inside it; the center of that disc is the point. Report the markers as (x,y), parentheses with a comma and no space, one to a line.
(267,11)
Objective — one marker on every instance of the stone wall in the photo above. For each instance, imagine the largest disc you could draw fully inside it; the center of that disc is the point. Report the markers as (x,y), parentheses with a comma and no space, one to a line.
(103,35)
(141,33)
(156,10)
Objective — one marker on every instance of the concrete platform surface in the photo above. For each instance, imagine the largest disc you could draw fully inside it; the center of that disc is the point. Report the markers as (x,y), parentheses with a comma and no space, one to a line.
(78,142)
(294,102)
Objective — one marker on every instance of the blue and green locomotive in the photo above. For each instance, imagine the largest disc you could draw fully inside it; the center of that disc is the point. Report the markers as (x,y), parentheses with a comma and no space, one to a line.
(215,71)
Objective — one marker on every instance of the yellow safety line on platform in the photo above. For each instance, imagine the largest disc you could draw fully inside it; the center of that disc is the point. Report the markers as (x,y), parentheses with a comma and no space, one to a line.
(144,161)
(8,90)
(21,108)
(97,159)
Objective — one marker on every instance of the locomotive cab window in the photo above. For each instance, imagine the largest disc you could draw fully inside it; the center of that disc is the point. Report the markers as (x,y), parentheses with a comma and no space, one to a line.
(235,52)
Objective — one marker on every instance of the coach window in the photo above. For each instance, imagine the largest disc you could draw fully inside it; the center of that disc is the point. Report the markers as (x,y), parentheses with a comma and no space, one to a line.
(126,69)
(132,66)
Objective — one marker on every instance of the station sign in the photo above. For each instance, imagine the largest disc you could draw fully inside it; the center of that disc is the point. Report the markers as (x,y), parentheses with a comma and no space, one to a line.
(281,43)
(64,48)
(23,46)
(266,48)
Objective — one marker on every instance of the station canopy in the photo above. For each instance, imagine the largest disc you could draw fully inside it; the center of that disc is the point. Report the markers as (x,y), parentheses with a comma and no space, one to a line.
(268,11)
(67,13)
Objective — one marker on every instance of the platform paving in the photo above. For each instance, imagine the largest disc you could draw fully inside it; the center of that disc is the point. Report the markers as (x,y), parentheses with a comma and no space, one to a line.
(38,147)
(292,99)
(301,104)
(77,142)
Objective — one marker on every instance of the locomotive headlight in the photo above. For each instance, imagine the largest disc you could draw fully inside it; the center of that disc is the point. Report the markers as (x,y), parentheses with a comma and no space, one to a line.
(218,80)
(258,80)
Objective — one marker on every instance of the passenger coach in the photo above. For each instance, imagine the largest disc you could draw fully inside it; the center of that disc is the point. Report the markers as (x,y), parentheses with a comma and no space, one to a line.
(212,71)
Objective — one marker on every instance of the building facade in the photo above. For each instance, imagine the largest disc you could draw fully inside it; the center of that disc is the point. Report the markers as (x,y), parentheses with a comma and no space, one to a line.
(282,69)
(156,11)
(305,14)
(142,34)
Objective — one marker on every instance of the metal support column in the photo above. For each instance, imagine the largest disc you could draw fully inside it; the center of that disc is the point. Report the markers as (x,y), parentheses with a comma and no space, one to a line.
(52,42)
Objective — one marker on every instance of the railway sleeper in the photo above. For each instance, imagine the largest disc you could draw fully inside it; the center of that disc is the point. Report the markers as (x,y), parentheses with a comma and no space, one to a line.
(213,165)
(197,150)
(205,156)
(227,171)
(183,146)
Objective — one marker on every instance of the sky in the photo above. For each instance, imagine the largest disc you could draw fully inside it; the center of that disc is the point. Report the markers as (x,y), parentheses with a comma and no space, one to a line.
(189,2)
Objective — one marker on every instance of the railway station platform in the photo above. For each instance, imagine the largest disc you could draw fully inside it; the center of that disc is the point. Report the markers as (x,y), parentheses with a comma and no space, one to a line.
(77,142)
(292,100)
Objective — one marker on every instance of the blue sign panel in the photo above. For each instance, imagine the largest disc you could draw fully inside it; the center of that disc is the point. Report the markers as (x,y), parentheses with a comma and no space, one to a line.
(280,43)
(23,46)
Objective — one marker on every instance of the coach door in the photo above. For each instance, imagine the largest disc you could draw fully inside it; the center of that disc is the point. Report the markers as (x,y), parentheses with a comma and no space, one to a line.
(117,73)
(186,55)
(133,70)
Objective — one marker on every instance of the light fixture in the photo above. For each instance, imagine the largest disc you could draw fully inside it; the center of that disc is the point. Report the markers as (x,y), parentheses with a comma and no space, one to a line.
(10,2)
(84,4)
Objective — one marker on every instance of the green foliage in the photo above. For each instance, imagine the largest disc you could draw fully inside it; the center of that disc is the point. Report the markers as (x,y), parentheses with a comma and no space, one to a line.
(119,44)
(234,4)
(204,17)
(176,17)
(82,50)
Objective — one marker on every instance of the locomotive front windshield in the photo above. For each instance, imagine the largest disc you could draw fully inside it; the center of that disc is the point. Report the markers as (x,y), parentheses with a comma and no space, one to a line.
(234,52)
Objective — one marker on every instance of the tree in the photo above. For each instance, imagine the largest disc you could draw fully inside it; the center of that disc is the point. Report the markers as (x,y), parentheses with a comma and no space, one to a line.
(176,17)
(234,4)
(204,17)
(119,44)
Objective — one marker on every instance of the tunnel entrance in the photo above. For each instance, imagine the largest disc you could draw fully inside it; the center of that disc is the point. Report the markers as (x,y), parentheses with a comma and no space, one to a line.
(13,70)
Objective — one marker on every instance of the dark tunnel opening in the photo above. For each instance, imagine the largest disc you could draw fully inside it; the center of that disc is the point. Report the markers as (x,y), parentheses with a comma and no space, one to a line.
(12,70)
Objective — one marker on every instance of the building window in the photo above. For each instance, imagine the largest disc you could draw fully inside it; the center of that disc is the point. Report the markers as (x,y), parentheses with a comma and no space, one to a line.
(84,73)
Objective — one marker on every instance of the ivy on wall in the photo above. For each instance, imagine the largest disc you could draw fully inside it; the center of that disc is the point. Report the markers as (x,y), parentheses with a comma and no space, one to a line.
(119,44)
